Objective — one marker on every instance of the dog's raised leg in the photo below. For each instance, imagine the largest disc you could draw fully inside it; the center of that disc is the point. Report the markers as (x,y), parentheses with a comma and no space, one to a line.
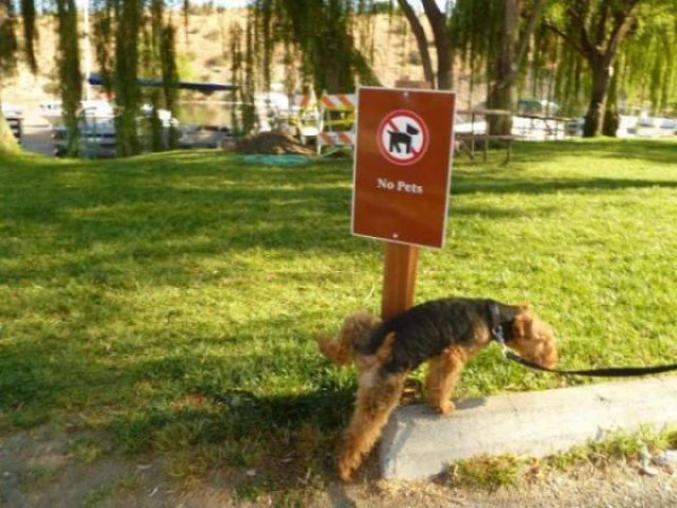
(373,406)
(443,373)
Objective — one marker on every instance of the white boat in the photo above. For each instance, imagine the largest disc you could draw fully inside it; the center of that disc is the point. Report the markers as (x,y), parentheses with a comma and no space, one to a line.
(99,109)
(9,111)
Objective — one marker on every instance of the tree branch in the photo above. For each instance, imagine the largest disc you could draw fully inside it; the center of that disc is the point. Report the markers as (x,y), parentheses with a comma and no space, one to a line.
(623,23)
(436,18)
(567,38)
(576,12)
(601,24)
(531,26)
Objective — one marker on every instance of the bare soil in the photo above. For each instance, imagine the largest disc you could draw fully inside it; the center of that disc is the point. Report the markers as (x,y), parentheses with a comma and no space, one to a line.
(273,143)
(50,467)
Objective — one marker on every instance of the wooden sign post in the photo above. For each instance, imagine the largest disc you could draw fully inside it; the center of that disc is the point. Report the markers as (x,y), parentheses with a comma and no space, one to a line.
(401,178)
(399,278)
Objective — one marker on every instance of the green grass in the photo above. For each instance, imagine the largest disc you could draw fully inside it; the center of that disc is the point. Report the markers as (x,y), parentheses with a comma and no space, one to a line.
(140,296)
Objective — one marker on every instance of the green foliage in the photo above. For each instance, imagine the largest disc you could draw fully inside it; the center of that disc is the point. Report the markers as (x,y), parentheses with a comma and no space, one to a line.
(475,27)
(9,44)
(103,26)
(645,76)
(170,76)
(322,29)
(8,41)
(648,74)
(30,34)
(159,61)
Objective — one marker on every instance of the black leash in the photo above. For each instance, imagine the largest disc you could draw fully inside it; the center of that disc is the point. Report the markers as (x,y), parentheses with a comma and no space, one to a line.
(605,372)
(497,332)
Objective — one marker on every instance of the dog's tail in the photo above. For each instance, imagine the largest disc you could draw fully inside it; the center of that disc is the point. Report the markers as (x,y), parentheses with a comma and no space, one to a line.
(354,334)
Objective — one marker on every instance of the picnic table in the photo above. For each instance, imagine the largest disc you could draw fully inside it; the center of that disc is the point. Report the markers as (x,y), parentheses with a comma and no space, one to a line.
(468,141)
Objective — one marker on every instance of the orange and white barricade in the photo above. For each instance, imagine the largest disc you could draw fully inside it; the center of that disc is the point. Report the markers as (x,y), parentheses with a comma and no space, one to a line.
(336,120)
(335,139)
(304,101)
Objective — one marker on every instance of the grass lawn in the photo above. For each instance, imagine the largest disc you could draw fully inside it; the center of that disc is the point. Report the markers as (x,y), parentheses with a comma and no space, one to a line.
(172,300)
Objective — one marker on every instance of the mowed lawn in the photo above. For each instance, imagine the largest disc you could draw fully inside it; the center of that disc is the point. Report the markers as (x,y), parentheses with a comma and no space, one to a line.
(172,300)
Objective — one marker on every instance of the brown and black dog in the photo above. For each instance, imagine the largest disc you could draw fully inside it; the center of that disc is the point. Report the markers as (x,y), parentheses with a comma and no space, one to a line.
(446,333)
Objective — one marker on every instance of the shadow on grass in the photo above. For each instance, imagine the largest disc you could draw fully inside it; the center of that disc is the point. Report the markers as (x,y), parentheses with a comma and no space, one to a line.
(62,365)
(468,185)
(653,151)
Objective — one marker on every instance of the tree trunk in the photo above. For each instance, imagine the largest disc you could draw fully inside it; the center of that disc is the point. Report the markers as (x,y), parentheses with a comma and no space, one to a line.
(70,77)
(8,143)
(127,91)
(438,24)
(421,41)
(612,118)
(500,97)
(501,94)
(445,60)
(600,87)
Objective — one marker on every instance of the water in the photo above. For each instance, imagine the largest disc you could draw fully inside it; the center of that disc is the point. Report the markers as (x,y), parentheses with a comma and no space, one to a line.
(205,113)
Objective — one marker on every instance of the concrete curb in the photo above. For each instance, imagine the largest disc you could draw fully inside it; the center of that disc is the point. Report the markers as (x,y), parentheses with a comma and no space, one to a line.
(417,443)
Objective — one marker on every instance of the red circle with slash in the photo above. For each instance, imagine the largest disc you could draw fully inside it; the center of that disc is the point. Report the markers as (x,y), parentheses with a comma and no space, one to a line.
(403,137)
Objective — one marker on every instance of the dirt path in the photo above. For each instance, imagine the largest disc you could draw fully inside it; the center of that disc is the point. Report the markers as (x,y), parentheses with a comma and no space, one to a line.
(53,468)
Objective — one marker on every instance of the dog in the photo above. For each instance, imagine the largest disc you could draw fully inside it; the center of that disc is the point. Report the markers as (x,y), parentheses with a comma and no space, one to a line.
(397,138)
(446,333)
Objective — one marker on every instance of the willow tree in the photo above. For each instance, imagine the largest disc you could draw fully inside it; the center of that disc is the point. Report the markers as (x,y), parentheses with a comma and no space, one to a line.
(160,61)
(128,19)
(127,34)
(9,48)
(170,76)
(322,30)
(70,77)
(118,25)
(473,28)
(248,86)
(596,29)
(646,64)
(235,51)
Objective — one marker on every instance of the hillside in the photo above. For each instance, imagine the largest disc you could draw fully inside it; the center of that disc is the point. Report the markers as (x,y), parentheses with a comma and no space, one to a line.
(203,55)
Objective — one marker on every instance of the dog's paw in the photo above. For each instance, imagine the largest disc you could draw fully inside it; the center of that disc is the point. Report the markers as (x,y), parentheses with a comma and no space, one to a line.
(345,470)
(446,408)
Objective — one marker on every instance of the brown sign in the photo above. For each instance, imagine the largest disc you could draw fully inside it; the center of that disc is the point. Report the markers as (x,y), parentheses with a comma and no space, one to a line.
(402,171)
